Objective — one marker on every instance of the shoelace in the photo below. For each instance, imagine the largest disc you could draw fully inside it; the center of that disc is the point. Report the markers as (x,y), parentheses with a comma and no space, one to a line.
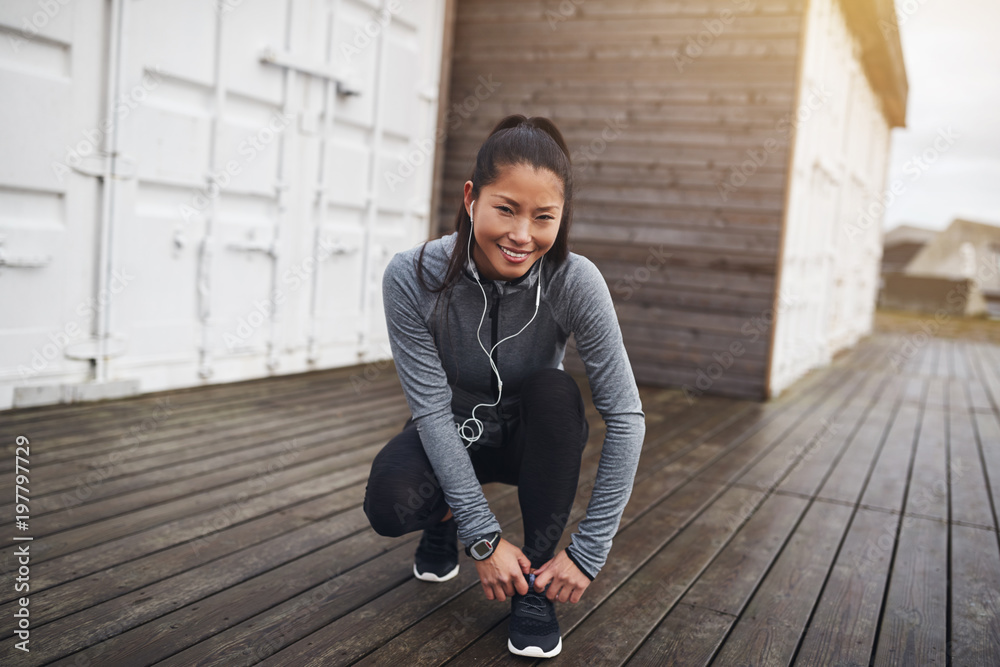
(534,600)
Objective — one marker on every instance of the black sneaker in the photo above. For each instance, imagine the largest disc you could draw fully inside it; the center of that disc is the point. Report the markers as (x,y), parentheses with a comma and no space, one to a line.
(437,556)
(533,629)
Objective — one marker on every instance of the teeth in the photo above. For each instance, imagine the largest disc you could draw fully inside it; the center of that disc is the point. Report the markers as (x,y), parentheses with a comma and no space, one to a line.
(515,255)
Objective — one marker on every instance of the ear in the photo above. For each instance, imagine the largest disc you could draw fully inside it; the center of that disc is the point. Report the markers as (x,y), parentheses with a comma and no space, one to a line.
(468,196)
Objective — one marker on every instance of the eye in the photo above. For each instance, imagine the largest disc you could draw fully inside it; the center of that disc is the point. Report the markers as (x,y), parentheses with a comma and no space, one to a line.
(505,209)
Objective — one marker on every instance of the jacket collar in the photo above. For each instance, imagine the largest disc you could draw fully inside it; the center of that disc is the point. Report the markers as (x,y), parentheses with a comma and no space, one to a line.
(521,283)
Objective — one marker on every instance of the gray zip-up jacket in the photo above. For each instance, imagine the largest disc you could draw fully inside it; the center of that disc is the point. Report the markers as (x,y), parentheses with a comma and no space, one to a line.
(444,373)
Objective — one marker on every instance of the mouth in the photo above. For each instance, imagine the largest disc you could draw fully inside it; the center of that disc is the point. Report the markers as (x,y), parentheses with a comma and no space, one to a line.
(513,255)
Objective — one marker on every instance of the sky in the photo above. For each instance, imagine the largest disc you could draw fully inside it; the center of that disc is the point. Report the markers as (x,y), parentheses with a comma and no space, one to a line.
(951,50)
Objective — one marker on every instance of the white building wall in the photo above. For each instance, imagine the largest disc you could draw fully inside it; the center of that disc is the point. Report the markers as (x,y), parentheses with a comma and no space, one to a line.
(832,247)
(242,226)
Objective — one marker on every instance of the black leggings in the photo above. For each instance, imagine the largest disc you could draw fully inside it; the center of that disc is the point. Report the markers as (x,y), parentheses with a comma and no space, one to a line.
(541,457)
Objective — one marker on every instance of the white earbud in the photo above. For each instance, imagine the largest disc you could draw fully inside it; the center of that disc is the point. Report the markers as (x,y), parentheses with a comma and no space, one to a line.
(473,435)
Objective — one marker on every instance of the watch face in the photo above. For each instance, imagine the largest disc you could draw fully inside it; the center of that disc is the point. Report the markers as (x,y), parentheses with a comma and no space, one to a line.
(481,549)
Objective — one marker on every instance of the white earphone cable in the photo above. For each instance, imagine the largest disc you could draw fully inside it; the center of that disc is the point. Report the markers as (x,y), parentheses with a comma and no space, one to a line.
(466,431)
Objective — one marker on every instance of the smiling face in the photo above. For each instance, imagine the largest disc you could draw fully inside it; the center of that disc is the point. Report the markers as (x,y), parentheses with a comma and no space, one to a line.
(515,220)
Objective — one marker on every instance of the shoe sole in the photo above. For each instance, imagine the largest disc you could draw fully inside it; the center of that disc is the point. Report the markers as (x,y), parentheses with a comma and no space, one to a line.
(430,576)
(534,651)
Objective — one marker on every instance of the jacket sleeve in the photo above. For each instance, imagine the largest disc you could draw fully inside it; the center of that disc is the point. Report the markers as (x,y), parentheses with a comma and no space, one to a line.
(615,394)
(426,388)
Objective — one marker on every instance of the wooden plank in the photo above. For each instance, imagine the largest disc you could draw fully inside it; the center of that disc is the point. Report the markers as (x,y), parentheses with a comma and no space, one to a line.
(842,629)
(849,476)
(724,588)
(975,597)
(970,496)
(984,363)
(913,627)
(768,630)
(792,427)
(839,456)
(822,430)
(928,493)
(887,488)
(687,636)
(729,582)
(987,426)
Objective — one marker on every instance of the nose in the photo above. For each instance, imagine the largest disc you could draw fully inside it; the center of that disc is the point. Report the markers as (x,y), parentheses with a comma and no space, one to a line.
(520,234)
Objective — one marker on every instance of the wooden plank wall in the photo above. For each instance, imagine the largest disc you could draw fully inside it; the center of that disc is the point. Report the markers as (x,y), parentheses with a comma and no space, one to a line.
(659,101)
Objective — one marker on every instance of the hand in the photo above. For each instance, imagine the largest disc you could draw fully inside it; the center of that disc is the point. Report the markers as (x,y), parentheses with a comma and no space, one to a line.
(568,582)
(503,572)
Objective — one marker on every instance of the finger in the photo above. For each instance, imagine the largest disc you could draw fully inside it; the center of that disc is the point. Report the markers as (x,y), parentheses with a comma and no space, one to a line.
(524,562)
(521,585)
(500,594)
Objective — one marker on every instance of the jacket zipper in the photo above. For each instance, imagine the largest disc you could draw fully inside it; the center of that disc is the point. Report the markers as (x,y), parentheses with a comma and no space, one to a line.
(494,316)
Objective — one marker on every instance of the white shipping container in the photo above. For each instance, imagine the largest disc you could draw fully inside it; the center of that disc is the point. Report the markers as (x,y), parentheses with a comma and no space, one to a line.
(196,191)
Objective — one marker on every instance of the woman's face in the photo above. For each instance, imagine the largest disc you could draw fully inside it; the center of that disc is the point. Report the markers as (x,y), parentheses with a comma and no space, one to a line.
(515,220)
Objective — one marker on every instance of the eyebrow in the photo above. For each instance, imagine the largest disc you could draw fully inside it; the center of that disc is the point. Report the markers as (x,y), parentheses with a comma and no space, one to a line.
(514,203)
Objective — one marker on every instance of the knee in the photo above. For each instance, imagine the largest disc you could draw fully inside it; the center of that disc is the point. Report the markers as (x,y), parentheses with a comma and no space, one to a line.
(551,395)
(547,382)
(387,513)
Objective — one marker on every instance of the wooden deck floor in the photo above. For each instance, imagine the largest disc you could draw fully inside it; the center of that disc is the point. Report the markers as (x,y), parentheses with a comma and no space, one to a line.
(852,521)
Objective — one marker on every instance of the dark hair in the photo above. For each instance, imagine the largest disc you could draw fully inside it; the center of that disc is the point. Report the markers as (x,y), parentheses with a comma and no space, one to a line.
(516,140)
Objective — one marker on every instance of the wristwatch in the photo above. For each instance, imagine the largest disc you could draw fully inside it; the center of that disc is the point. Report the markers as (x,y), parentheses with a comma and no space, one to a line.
(483,547)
